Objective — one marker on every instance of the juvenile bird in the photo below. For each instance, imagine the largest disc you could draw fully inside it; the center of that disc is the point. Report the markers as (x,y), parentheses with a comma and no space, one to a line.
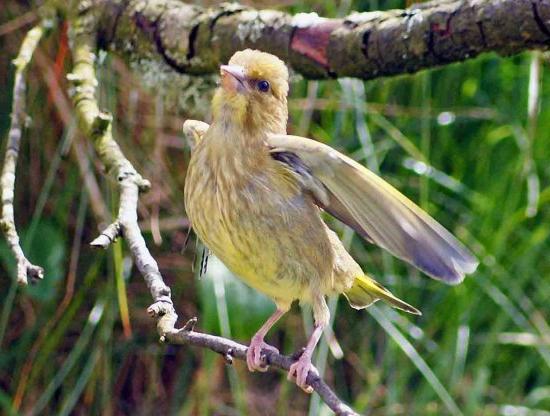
(254,196)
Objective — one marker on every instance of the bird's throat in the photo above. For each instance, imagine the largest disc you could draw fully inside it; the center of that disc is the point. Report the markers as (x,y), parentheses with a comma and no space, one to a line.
(236,110)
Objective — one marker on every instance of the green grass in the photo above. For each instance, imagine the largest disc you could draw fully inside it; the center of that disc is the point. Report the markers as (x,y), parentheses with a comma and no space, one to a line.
(458,140)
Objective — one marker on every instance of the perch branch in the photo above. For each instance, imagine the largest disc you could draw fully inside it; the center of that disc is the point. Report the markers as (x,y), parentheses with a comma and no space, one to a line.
(196,40)
(97,125)
(230,349)
(25,269)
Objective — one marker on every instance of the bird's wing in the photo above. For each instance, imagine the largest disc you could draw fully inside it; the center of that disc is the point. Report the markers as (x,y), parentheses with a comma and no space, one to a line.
(322,196)
(193,130)
(377,211)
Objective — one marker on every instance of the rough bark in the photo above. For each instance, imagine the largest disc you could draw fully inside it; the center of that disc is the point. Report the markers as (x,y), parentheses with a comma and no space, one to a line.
(195,40)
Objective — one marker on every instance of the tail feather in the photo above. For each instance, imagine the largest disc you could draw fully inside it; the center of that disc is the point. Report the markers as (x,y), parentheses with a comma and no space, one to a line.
(365,291)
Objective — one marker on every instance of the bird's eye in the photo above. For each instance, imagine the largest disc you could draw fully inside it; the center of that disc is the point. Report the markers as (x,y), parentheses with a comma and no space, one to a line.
(263,86)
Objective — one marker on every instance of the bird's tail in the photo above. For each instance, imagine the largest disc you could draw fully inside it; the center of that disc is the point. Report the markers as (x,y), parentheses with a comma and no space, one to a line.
(365,291)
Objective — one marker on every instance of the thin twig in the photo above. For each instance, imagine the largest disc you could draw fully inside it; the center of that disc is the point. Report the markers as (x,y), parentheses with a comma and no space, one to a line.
(230,349)
(25,268)
(64,111)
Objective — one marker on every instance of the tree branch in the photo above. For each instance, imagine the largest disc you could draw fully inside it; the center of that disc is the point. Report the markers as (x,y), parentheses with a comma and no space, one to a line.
(196,40)
(97,126)
(25,268)
(230,349)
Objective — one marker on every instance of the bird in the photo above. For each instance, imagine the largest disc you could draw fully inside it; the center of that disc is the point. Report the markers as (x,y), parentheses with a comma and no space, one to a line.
(255,197)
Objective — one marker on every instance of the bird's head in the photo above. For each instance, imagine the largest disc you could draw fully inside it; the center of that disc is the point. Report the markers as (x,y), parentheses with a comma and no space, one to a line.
(253,91)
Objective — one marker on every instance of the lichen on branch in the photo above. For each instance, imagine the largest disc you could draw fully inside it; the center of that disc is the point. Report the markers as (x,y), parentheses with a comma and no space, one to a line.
(97,125)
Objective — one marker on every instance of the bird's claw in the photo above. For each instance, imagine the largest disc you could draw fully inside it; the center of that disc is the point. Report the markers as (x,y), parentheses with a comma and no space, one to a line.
(255,360)
(299,371)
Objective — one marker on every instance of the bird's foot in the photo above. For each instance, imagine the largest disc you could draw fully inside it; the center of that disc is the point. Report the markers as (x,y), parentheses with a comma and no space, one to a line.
(254,357)
(299,370)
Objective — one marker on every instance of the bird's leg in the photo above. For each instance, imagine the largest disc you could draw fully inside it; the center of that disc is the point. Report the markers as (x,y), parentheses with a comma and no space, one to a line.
(257,344)
(299,370)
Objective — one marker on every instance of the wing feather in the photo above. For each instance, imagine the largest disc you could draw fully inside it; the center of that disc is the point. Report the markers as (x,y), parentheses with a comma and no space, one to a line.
(377,211)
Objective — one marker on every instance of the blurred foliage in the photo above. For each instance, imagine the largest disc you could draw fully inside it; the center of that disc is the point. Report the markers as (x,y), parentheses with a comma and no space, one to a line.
(457,139)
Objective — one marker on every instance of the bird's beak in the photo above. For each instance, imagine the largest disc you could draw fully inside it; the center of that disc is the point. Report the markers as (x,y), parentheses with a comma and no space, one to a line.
(233,78)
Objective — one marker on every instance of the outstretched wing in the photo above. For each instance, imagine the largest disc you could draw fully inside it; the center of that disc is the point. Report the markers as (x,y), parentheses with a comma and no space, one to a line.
(376,210)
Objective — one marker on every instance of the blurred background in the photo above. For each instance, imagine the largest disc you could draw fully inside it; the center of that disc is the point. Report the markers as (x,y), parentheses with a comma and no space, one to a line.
(469,142)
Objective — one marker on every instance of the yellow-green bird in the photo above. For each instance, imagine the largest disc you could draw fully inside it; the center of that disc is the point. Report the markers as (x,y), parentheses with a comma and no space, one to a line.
(254,196)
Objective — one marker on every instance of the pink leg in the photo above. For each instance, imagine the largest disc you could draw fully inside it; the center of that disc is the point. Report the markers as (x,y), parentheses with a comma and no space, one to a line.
(257,344)
(300,369)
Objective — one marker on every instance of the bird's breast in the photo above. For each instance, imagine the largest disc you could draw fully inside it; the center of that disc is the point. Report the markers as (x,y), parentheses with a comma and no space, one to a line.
(230,196)
(255,218)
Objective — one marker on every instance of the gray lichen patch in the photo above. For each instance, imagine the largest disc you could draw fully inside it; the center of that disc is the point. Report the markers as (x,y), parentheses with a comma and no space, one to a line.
(181,93)
(250,27)
(175,33)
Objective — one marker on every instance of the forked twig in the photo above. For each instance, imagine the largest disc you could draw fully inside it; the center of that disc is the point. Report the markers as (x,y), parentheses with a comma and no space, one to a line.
(97,125)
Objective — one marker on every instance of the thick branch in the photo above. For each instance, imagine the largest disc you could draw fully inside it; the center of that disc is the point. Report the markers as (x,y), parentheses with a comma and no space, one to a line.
(195,40)
(25,268)
(230,349)
(97,126)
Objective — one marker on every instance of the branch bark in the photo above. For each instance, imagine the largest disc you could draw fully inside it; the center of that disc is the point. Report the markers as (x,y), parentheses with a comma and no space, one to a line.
(196,40)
